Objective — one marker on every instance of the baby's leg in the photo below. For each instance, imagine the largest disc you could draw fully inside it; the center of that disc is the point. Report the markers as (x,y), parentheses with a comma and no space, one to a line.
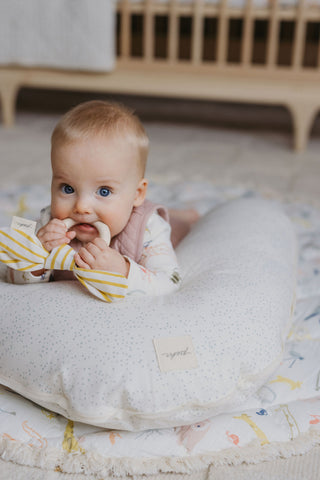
(181,222)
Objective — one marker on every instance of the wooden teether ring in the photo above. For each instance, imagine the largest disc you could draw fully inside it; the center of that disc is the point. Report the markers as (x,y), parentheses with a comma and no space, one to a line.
(102,228)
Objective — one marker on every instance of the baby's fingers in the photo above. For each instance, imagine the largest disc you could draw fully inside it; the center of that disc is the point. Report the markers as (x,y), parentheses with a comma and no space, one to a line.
(88,256)
(50,236)
(53,243)
(71,235)
(54,234)
(80,262)
(54,225)
(52,229)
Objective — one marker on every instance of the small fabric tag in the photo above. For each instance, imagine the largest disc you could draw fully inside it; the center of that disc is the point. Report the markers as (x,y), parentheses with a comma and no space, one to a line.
(175,353)
(23,224)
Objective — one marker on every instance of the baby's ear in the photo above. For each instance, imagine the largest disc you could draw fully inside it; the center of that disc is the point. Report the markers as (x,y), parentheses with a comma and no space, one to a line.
(141,192)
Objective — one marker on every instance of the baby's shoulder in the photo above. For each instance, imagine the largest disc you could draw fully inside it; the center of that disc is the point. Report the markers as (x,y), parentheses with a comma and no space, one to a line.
(155,226)
(156,221)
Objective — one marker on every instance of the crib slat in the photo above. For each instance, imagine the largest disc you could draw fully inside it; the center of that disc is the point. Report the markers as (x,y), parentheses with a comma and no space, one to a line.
(125,38)
(247,39)
(173,31)
(273,35)
(148,41)
(197,32)
(299,38)
(222,34)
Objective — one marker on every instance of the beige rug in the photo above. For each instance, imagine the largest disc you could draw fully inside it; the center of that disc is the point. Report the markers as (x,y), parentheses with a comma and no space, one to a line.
(299,467)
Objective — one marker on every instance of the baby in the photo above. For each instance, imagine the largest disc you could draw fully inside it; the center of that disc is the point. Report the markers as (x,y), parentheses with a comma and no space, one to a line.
(98,156)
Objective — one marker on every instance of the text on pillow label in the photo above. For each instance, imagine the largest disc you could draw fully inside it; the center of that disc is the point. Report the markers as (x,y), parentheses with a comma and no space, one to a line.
(175,353)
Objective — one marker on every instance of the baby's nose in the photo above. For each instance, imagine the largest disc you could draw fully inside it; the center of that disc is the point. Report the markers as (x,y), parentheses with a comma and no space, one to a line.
(83,205)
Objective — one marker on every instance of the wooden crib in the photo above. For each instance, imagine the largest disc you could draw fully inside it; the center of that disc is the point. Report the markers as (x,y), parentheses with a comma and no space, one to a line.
(266,54)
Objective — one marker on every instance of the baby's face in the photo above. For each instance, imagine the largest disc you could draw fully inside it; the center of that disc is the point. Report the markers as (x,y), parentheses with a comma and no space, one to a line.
(96,180)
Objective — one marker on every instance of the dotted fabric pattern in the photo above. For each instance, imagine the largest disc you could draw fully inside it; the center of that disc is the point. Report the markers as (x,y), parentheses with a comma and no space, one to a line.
(95,362)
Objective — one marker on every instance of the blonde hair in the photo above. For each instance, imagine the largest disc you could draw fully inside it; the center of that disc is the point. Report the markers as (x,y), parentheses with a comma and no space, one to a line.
(100,118)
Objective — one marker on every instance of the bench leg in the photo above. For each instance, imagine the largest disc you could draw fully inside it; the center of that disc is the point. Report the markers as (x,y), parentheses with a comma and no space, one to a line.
(8,96)
(303,115)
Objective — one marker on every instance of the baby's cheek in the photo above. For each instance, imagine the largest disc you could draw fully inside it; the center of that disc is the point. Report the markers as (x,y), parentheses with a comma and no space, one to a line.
(59,211)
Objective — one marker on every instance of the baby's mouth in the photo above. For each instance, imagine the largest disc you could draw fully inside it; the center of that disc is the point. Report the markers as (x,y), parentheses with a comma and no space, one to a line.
(98,227)
(85,228)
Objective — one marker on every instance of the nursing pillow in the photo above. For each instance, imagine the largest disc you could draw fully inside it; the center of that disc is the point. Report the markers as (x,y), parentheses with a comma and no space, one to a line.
(153,362)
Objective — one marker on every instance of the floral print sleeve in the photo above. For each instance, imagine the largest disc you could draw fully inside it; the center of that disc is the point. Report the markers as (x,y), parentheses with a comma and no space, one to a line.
(157,272)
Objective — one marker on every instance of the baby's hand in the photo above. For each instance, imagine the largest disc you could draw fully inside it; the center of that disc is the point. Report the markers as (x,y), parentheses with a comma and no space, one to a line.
(97,255)
(54,234)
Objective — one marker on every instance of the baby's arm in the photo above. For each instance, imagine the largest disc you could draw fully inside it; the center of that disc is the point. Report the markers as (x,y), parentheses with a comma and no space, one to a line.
(157,272)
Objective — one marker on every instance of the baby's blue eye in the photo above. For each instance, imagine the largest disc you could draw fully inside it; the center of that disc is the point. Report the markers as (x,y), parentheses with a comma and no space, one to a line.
(104,191)
(67,189)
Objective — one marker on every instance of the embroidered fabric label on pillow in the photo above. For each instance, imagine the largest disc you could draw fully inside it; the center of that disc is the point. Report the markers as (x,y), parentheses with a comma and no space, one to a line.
(175,353)
(23,224)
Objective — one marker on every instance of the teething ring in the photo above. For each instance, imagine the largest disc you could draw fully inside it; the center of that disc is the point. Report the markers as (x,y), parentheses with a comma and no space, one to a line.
(102,228)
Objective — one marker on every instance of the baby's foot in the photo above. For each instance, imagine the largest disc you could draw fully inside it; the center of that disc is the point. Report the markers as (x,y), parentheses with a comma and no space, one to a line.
(188,216)
(181,222)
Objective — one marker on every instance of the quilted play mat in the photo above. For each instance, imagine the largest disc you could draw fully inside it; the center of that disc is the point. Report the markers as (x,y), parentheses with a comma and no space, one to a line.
(281,419)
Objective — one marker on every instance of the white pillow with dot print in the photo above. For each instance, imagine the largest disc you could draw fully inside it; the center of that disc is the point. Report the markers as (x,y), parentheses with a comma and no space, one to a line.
(165,361)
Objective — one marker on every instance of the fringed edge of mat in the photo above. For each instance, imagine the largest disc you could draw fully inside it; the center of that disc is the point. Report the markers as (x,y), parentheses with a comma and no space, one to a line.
(92,463)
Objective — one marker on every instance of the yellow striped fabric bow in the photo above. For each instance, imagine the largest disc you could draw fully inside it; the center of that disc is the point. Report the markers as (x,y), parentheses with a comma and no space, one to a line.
(24,252)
